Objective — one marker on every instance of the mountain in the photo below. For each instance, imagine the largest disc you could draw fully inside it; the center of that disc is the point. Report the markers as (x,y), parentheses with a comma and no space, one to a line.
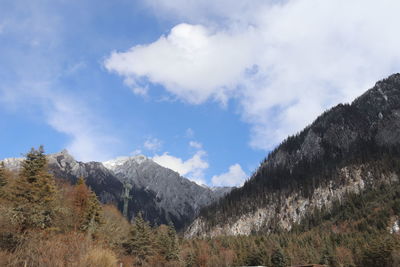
(347,150)
(174,198)
(135,184)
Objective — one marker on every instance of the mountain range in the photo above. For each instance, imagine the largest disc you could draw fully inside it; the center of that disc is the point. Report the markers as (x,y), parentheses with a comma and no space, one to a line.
(135,184)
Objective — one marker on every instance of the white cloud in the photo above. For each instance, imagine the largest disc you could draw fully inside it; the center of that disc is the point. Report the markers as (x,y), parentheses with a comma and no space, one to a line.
(207,11)
(152,144)
(283,61)
(63,113)
(195,144)
(192,62)
(192,168)
(87,143)
(234,177)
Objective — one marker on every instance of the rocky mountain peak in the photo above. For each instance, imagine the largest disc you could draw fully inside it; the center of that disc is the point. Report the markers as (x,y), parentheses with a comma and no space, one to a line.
(116,163)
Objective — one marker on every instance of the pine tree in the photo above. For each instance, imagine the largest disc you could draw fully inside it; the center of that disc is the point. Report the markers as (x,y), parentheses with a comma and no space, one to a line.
(168,243)
(87,208)
(93,216)
(141,241)
(3,180)
(378,253)
(278,258)
(33,193)
(328,257)
(173,248)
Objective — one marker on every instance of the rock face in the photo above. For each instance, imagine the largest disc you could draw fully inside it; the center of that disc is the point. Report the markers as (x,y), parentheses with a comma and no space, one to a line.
(175,199)
(162,195)
(346,149)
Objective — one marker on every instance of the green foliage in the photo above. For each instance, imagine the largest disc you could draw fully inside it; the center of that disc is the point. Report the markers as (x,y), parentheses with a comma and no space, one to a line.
(379,253)
(141,241)
(168,243)
(33,193)
(278,258)
(93,216)
(87,208)
(3,180)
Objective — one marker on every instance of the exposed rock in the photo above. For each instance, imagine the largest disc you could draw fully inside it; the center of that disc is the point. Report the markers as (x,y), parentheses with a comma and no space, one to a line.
(178,198)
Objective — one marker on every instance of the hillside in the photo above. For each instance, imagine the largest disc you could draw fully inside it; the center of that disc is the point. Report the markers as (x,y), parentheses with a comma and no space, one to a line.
(349,148)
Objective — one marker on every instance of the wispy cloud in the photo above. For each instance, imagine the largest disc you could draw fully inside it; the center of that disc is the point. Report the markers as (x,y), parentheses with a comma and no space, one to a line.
(196,144)
(31,71)
(152,144)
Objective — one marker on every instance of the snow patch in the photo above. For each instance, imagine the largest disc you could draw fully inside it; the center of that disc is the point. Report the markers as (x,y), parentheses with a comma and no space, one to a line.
(117,162)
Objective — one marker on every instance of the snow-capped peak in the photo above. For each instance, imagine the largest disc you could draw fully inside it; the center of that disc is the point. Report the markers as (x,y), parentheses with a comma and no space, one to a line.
(117,162)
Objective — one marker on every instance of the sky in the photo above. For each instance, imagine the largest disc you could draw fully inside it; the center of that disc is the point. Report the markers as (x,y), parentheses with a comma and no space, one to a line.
(206,88)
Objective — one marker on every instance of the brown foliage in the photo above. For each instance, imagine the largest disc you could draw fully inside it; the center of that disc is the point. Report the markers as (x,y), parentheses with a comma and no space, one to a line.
(59,250)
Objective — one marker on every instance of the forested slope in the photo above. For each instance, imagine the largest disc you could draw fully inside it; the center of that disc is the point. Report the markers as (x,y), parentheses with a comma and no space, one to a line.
(349,148)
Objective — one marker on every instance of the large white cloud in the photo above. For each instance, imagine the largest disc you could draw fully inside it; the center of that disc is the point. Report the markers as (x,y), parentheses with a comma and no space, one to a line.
(192,168)
(284,61)
(234,177)
(192,62)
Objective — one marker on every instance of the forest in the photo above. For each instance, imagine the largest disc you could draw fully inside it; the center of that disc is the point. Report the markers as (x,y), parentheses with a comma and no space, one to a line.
(48,222)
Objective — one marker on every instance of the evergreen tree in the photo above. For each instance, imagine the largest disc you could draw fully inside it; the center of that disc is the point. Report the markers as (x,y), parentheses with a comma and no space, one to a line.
(140,243)
(3,179)
(87,208)
(278,258)
(33,193)
(328,257)
(93,215)
(168,243)
(378,253)
(173,248)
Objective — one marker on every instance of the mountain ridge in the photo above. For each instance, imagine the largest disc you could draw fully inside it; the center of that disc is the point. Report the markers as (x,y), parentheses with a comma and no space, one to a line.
(335,154)
(160,194)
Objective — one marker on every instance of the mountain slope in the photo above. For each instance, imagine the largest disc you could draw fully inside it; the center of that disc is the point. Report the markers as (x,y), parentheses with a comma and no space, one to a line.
(347,149)
(178,199)
(160,194)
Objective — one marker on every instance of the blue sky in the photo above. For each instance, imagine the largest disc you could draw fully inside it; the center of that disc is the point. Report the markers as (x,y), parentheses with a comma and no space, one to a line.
(206,88)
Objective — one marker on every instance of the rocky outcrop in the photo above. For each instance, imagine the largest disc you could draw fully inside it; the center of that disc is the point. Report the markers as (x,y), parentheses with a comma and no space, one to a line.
(286,211)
